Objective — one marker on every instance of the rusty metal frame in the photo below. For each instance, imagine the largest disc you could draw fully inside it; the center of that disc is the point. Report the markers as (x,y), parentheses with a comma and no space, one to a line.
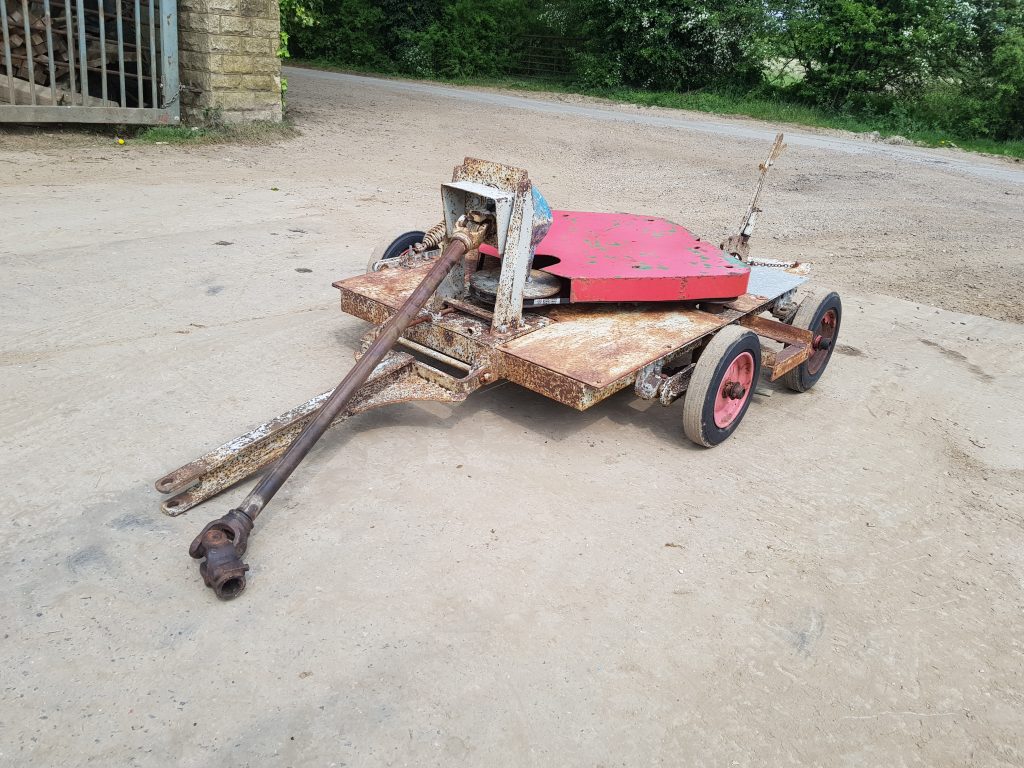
(653,383)
(515,236)
(464,342)
(400,378)
(463,339)
(576,355)
(799,344)
(470,338)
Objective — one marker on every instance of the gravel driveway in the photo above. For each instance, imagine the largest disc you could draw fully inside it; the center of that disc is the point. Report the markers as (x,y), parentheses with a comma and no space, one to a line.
(505,582)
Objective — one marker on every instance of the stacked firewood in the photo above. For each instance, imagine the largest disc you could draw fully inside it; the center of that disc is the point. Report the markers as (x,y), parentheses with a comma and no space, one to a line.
(65,61)
(36,41)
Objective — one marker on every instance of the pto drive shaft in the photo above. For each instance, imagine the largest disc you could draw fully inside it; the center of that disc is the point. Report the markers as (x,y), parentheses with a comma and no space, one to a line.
(223,541)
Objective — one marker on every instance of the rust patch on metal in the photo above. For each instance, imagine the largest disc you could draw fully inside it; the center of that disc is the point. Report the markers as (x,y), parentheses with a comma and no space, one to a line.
(576,354)
(470,309)
(223,542)
(375,297)
(798,343)
(264,435)
(558,386)
(391,287)
(748,303)
(789,358)
(504,177)
(399,378)
(776,331)
(598,345)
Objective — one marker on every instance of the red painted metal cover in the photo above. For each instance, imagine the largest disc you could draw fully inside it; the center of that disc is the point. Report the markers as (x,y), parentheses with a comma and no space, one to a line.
(624,257)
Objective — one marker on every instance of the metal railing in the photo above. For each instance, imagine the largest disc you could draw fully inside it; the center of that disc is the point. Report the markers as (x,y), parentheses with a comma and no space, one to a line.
(89,61)
(541,57)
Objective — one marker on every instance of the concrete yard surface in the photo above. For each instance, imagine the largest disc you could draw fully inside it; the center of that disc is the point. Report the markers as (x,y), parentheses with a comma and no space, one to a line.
(505,582)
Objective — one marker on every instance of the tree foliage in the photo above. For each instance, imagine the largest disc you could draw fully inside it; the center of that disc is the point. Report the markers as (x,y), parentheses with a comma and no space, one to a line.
(851,51)
(663,44)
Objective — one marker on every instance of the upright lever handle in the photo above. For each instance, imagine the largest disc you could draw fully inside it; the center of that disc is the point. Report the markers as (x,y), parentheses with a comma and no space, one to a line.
(739,245)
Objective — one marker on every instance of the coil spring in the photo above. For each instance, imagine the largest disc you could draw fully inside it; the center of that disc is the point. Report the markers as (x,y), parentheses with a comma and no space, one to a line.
(432,238)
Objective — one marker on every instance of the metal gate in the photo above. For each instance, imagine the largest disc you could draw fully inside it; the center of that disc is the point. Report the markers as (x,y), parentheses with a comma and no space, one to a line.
(541,57)
(89,61)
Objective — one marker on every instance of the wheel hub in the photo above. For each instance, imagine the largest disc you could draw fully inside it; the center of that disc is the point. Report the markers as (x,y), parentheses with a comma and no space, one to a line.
(823,337)
(734,390)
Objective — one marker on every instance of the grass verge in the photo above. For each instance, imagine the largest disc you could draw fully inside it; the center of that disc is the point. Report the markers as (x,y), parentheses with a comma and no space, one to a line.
(243,133)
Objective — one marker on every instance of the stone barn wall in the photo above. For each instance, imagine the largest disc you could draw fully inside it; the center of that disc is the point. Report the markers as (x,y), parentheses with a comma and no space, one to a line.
(229,66)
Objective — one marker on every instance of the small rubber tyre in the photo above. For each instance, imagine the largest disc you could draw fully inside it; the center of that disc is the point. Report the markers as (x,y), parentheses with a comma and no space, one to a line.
(821,314)
(392,249)
(722,386)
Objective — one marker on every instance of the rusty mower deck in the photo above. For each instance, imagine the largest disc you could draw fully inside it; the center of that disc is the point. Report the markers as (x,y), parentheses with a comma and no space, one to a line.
(606,302)
(578,354)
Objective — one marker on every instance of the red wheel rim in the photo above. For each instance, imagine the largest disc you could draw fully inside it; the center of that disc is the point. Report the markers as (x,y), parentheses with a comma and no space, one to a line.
(734,390)
(824,335)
